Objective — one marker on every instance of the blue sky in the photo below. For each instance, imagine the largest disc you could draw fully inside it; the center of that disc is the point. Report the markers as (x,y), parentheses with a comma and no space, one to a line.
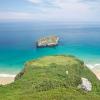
(50,10)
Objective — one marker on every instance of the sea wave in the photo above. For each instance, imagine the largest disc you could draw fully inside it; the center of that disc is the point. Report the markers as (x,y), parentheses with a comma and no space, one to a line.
(7,75)
(91,66)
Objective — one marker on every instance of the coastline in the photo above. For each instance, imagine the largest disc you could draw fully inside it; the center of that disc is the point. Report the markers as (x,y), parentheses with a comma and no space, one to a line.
(6,79)
(9,78)
(95,68)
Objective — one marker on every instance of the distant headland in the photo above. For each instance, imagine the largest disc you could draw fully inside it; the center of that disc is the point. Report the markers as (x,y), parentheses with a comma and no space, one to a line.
(49,41)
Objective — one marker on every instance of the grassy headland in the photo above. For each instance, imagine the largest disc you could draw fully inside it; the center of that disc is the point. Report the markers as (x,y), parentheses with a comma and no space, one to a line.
(46,79)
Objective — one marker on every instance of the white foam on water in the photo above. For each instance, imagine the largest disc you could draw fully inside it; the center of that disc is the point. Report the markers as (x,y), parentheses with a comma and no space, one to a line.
(97,65)
(7,75)
(91,66)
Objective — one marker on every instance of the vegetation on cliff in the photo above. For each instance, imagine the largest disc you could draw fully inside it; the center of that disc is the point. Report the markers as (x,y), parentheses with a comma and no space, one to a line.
(52,78)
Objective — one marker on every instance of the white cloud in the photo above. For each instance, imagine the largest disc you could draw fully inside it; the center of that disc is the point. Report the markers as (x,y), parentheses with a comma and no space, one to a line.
(35,1)
(58,10)
(15,16)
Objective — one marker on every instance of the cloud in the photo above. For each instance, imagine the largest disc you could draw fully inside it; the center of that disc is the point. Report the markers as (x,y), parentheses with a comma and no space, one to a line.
(57,10)
(63,4)
(35,1)
(60,2)
(15,16)
(90,0)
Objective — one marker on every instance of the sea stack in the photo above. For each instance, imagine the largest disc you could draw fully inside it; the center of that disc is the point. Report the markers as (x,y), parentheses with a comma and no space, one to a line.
(49,41)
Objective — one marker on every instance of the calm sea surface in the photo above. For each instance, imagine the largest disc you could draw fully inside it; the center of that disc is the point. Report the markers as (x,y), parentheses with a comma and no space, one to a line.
(18,42)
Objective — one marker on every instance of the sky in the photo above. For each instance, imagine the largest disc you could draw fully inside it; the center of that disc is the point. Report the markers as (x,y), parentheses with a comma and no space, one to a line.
(50,10)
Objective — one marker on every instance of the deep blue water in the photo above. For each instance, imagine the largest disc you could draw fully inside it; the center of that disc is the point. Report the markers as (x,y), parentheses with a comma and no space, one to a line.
(18,42)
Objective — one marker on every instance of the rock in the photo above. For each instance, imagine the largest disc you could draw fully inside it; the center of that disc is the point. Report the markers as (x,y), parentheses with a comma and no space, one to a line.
(85,85)
(48,41)
(67,72)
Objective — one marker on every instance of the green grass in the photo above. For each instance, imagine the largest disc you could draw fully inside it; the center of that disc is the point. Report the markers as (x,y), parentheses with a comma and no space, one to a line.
(46,79)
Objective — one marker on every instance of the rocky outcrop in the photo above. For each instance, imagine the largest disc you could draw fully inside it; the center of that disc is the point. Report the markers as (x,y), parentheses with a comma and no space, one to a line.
(48,41)
(85,85)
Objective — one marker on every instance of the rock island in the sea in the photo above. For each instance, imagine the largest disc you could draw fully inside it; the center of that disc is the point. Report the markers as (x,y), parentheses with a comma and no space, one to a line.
(48,41)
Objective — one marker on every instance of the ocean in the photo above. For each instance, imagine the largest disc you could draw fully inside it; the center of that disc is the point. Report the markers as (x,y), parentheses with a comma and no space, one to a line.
(18,43)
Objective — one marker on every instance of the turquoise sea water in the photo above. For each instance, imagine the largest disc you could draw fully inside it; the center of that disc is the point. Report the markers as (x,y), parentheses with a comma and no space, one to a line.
(18,42)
